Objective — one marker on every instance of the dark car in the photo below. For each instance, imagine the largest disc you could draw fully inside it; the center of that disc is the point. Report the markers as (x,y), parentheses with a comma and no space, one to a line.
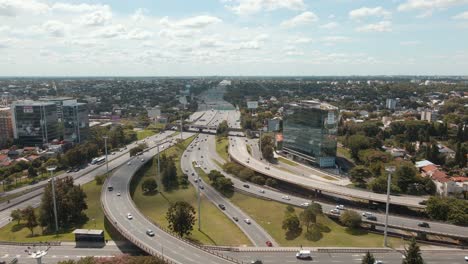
(372,218)
(222,206)
(423,224)
(235,218)
(246,186)
(268,243)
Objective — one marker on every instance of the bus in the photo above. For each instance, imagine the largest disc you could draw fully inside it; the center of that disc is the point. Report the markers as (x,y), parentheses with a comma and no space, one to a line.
(98,160)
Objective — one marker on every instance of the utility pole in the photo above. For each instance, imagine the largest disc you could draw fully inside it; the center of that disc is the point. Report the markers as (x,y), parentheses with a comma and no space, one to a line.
(390,170)
(51,170)
(199,207)
(159,167)
(107,161)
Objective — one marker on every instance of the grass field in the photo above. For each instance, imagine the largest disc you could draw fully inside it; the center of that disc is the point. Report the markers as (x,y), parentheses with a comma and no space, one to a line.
(144,134)
(221,147)
(286,161)
(269,215)
(216,228)
(19,233)
(344,152)
(249,149)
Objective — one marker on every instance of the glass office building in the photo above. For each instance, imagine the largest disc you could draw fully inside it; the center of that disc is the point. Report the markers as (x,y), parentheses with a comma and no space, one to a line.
(75,121)
(309,132)
(35,123)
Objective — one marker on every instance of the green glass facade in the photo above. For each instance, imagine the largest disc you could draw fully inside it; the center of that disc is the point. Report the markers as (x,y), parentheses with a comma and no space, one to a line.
(309,131)
(35,123)
(75,122)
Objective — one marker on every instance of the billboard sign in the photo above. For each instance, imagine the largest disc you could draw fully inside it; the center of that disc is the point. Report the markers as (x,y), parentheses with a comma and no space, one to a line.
(252,104)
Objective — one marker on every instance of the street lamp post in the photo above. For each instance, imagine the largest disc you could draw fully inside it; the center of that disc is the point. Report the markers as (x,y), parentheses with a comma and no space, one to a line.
(390,170)
(51,170)
(199,207)
(107,161)
(159,167)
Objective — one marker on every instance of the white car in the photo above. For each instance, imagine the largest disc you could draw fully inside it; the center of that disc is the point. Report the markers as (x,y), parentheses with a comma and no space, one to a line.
(118,194)
(340,207)
(305,204)
(129,163)
(129,216)
(247,221)
(378,262)
(366,214)
(335,211)
(261,191)
(285,197)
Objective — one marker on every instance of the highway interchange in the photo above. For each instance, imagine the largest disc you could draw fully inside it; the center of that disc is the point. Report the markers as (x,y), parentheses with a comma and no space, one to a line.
(179,251)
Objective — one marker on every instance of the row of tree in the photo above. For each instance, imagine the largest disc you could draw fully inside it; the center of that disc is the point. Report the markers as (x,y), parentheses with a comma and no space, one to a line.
(447,209)
(28,215)
(412,255)
(224,185)
(293,224)
(246,174)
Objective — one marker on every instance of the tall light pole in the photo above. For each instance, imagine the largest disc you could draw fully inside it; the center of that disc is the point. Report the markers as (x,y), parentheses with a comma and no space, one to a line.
(199,207)
(159,167)
(181,127)
(107,161)
(51,170)
(389,170)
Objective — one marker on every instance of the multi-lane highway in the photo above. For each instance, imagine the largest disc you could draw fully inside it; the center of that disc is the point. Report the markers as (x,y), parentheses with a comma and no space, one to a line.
(238,152)
(252,230)
(83,176)
(117,208)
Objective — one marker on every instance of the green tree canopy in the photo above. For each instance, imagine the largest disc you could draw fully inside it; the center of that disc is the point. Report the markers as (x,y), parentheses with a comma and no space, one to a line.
(181,218)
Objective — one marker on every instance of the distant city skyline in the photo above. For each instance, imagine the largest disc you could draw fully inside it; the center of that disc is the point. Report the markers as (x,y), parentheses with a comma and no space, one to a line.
(233,37)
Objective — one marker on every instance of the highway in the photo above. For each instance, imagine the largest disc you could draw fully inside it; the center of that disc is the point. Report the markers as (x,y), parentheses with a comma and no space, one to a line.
(253,231)
(238,152)
(117,207)
(83,176)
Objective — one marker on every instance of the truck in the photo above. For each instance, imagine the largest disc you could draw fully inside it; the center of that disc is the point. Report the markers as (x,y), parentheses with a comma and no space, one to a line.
(303,254)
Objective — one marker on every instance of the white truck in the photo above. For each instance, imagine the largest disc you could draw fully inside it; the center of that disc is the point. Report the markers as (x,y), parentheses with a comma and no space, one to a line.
(303,254)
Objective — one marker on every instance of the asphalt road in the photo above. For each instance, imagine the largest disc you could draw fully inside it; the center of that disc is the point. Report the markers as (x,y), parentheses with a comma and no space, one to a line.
(253,231)
(119,206)
(238,151)
(81,177)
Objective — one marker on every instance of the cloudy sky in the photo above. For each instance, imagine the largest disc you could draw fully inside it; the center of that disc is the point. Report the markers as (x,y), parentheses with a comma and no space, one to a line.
(233,37)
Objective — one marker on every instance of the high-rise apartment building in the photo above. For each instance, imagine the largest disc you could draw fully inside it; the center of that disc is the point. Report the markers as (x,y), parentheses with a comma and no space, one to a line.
(390,103)
(35,123)
(6,126)
(309,131)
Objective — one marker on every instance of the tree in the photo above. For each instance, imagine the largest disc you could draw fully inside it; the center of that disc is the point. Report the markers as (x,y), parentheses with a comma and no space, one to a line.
(460,155)
(32,172)
(271,182)
(222,129)
(16,215)
(291,224)
(245,174)
(379,184)
(350,219)
(368,258)
(181,218)
(100,179)
(30,217)
(308,217)
(412,254)
(267,152)
(355,143)
(149,185)
(359,175)
(224,185)
(258,179)
(169,174)
(405,175)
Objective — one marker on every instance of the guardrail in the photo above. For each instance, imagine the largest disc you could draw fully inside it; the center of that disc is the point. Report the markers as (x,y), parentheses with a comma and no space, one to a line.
(355,250)
(30,244)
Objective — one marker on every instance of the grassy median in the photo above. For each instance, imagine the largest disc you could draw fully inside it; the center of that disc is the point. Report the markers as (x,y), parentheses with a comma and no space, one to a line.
(222,147)
(269,215)
(216,228)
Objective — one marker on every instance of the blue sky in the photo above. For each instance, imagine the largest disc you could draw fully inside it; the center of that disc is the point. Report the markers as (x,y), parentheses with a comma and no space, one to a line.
(233,37)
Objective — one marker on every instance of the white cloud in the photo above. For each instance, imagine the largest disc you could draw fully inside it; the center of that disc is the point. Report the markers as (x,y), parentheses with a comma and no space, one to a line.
(79,8)
(330,25)
(463,15)
(139,14)
(364,12)
(246,7)
(428,6)
(331,40)
(382,26)
(300,40)
(16,7)
(5,43)
(300,20)
(54,28)
(111,31)
(96,18)
(139,34)
(192,22)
